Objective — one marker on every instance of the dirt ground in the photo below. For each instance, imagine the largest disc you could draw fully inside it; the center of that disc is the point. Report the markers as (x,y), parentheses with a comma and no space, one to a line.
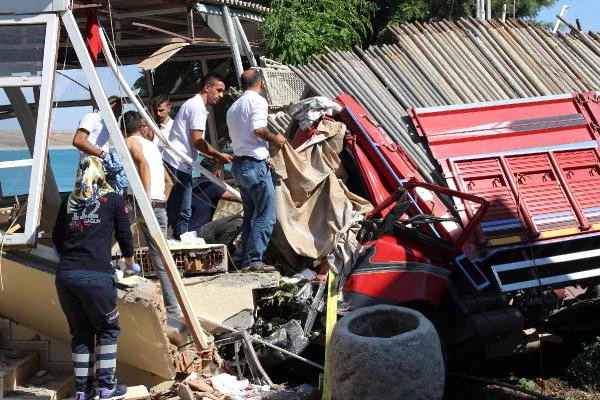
(552,388)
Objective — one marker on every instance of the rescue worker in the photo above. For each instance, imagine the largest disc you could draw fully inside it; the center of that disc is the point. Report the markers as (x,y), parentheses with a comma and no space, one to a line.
(85,278)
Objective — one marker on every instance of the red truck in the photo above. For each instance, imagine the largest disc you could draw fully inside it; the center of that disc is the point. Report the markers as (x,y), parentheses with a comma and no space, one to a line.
(508,251)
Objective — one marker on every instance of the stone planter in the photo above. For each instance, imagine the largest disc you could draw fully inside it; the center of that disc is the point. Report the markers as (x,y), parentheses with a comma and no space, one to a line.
(385,353)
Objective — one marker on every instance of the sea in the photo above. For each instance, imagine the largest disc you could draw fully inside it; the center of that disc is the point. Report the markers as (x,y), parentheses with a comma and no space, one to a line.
(15,181)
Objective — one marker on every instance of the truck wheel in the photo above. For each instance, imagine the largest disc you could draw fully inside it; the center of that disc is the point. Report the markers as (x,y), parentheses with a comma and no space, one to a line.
(386,352)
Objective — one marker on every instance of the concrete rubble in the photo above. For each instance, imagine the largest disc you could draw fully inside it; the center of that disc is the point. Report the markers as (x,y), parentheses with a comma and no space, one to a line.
(164,350)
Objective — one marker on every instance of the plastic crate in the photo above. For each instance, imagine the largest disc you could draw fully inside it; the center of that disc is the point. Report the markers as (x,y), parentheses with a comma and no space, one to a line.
(189,259)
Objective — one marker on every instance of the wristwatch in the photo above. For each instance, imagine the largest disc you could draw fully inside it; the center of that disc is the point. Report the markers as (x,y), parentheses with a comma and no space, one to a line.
(103,154)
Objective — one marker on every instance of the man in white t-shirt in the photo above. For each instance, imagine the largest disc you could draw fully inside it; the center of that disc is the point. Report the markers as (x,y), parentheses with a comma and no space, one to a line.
(187,136)
(250,139)
(92,135)
(161,108)
(157,184)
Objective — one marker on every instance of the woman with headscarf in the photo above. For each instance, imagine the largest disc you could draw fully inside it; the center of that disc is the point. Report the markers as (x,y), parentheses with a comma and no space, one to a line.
(85,277)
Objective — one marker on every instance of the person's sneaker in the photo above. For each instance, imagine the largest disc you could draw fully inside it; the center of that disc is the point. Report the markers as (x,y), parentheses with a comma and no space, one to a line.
(86,395)
(116,393)
(133,269)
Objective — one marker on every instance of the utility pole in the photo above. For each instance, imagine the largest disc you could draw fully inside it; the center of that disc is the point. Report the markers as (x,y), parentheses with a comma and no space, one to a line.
(480,9)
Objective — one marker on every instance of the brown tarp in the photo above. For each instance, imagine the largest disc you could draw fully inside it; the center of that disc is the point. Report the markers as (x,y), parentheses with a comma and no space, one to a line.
(315,210)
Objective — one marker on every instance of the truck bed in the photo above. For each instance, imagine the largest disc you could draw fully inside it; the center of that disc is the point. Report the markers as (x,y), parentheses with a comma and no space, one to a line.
(537,162)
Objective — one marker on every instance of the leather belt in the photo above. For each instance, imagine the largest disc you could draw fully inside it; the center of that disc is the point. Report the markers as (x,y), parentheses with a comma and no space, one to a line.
(248,158)
(159,204)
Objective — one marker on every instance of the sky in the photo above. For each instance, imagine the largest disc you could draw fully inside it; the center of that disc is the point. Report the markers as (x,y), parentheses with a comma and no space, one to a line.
(75,88)
(588,12)
(66,119)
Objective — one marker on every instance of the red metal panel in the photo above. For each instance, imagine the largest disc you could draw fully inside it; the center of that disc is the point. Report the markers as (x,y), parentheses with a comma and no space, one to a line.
(437,123)
(582,172)
(398,274)
(378,189)
(541,192)
(504,127)
(531,186)
(485,178)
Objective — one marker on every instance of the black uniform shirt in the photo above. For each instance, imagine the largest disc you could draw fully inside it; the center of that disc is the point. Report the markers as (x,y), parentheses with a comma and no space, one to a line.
(83,239)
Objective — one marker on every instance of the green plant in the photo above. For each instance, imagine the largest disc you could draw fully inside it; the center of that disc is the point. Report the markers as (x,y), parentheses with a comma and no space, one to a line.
(527,384)
(584,370)
(297,30)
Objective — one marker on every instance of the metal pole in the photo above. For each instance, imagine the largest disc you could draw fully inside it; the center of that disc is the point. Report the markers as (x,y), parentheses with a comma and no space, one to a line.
(245,43)
(233,43)
(135,182)
(562,13)
(489,10)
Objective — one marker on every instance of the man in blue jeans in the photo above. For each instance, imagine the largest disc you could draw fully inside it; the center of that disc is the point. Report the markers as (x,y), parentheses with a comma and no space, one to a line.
(187,136)
(250,139)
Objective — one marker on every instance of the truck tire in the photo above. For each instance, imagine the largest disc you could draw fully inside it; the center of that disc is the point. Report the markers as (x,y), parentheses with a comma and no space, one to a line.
(386,352)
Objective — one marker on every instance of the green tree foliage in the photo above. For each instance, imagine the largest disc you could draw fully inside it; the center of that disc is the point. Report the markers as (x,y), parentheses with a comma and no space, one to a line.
(423,10)
(296,30)
(396,12)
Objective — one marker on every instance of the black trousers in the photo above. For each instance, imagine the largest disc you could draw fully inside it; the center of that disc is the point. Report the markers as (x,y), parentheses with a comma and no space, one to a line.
(88,299)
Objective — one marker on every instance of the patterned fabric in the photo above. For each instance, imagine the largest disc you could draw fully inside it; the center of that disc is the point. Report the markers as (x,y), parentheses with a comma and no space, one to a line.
(115,175)
(90,184)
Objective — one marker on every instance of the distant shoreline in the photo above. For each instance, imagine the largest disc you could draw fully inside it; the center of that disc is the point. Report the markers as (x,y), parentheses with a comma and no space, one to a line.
(10,140)
(19,148)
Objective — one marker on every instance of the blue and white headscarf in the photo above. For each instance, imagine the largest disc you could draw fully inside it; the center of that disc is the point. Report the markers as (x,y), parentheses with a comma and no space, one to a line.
(115,175)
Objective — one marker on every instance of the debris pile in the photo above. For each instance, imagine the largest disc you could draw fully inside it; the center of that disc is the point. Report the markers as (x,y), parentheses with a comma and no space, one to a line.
(228,387)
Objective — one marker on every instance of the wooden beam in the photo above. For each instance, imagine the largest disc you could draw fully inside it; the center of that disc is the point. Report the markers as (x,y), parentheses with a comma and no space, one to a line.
(147,12)
(164,20)
(162,41)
